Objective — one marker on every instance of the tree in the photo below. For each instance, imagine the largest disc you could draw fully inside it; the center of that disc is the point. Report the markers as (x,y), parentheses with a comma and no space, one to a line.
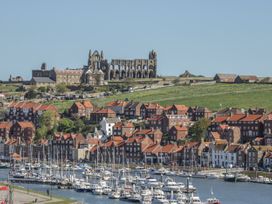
(79,125)
(20,89)
(198,130)
(41,133)
(48,120)
(66,125)
(31,94)
(42,89)
(61,88)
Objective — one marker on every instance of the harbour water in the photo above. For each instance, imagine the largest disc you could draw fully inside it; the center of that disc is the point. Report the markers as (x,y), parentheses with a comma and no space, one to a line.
(227,192)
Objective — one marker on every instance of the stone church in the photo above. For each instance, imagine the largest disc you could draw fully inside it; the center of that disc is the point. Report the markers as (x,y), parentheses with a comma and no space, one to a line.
(123,68)
(97,71)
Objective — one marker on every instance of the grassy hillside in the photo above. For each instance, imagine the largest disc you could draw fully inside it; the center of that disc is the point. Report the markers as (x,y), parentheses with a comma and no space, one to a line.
(211,96)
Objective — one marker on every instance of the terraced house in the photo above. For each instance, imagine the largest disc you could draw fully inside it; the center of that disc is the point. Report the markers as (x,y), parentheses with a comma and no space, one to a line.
(27,111)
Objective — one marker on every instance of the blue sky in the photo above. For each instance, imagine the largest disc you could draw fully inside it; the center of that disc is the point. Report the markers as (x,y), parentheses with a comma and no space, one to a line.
(204,37)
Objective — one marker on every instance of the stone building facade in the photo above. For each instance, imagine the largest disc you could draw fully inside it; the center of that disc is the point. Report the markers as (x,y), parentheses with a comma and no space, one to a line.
(124,68)
(97,70)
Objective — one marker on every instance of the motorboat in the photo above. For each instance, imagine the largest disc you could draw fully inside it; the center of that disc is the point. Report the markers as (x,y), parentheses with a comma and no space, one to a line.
(171,185)
(98,190)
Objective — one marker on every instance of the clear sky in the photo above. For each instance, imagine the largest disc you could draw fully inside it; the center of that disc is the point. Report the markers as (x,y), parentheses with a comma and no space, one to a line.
(202,36)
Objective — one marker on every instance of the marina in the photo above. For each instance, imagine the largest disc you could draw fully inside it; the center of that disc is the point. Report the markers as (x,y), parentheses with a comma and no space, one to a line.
(100,185)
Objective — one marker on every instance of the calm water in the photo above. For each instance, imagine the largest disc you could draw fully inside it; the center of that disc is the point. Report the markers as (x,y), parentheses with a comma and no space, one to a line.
(228,193)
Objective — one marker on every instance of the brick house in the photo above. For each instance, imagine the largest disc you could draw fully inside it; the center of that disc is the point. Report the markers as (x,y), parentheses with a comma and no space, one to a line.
(229,111)
(268,140)
(174,120)
(196,113)
(177,133)
(4,130)
(225,78)
(268,124)
(62,146)
(230,133)
(251,158)
(246,79)
(147,110)
(98,115)
(81,109)
(157,122)
(117,106)
(133,150)
(27,111)
(155,135)
(23,132)
(123,129)
(176,110)
(217,121)
(133,110)
(251,127)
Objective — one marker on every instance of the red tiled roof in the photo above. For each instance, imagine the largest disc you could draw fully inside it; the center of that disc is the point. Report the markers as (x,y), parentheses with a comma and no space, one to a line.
(26,124)
(236,117)
(167,108)
(181,108)
(250,118)
(5,125)
(220,119)
(117,138)
(105,111)
(116,103)
(87,104)
(47,108)
(154,148)
(79,105)
(94,141)
(32,105)
(169,148)
(153,106)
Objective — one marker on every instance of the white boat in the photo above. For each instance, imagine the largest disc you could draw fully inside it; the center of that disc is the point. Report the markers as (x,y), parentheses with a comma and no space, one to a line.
(124,195)
(98,190)
(115,195)
(153,183)
(159,197)
(171,185)
(213,176)
(107,190)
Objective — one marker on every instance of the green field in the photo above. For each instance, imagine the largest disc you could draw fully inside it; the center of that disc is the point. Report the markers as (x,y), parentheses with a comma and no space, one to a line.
(212,96)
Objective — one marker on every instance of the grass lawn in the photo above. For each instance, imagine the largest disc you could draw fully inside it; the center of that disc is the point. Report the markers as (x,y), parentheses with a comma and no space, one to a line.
(7,88)
(212,96)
